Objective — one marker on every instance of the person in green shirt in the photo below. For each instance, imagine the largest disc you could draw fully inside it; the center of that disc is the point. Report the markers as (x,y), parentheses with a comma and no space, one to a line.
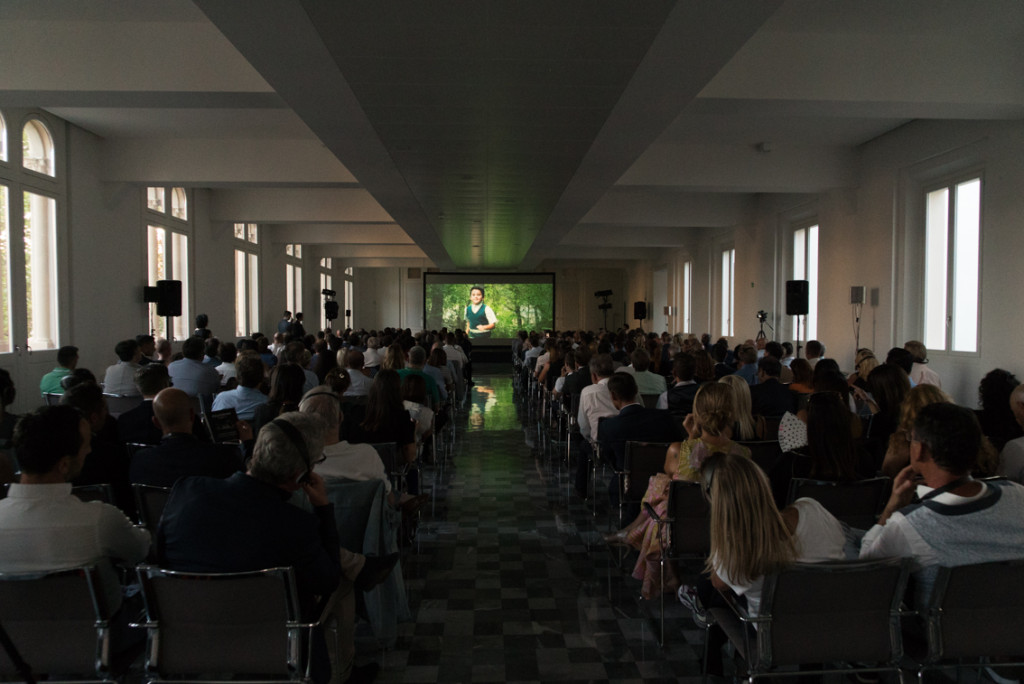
(67,359)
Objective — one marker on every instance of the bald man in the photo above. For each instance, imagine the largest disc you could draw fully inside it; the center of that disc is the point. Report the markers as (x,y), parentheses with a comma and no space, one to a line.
(179,453)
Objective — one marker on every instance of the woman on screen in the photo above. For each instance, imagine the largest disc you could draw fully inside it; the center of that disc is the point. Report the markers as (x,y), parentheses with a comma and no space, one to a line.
(480,318)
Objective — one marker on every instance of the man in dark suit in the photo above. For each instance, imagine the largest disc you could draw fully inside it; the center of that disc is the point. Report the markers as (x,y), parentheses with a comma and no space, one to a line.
(634,423)
(179,454)
(678,399)
(769,397)
(245,522)
(579,377)
(136,426)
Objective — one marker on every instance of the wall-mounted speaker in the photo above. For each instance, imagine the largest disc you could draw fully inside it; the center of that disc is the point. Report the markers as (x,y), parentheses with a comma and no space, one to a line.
(797,297)
(168,301)
(857,294)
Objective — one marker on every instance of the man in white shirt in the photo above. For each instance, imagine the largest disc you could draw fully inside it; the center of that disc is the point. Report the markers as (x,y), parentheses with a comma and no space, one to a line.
(43,526)
(361,382)
(960,521)
(595,403)
(120,378)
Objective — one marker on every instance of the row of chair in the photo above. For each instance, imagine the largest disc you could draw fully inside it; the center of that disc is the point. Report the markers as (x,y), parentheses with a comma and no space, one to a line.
(817,618)
(198,625)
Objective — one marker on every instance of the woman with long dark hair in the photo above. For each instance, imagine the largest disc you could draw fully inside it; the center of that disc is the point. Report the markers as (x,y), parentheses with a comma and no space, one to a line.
(286,382)
(386,419)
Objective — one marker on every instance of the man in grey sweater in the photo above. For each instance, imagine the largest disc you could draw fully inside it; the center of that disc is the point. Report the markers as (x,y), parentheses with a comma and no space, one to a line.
(958,520)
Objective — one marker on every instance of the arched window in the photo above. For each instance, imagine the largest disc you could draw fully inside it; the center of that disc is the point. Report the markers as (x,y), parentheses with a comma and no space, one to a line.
(3,138)
(37,148)
(179,204)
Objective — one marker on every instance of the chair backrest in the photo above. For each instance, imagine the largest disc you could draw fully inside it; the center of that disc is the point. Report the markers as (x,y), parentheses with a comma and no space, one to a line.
(94,492)
(150,502)
(394,465)
(650,400)
(643,460)
(832,612)
(855,503)
(977,610)
(222,623)
(118,403)
(56,621)
(690,529)
(51,398)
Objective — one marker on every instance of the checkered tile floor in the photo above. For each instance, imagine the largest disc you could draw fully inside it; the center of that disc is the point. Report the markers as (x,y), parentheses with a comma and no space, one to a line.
(510,580)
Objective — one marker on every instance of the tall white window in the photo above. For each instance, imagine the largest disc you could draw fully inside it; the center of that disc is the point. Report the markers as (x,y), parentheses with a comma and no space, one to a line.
(40,233)
(6,335)
(347,311)
(952,266)
(167,239)
(293,278)
(805,267)
(728,290)
(247,294)
(3,138)
(687,322)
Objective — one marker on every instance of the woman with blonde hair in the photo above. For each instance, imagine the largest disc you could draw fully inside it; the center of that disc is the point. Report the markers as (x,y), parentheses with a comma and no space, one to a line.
(864,363)
(745,428)
(710,430)
(897,456)
(751,538)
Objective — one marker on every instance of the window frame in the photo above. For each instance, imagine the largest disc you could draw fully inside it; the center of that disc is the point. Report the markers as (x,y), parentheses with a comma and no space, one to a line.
(248,246)
(174,228)
(950,181)
(727,309)
(806,224)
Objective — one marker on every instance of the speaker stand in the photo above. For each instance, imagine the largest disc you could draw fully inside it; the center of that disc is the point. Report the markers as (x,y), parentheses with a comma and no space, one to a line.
(170,328)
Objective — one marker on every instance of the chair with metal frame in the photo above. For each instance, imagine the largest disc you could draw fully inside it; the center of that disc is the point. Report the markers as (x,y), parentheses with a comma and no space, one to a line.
(119,403)
(838,615)
(57,622)
(855,503)
(242,624)
(52,398)
(394,465)
(684,530)
(975,612)
(94,492)
(642,461)
(150,502)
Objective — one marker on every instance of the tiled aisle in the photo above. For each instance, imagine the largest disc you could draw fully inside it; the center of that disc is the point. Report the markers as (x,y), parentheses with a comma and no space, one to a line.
(511,581)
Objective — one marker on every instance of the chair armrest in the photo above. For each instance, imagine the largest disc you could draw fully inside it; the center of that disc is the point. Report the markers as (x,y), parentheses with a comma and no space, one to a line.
(653,515)
(738,609)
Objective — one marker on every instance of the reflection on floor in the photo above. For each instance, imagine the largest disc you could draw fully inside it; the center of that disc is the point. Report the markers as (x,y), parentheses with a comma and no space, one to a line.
(510,580)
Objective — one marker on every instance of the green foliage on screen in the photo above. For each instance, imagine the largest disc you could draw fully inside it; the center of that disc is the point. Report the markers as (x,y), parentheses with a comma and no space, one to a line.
(517,306)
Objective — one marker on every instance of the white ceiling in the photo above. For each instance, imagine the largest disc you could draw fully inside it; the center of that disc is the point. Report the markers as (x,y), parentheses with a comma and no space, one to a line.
(498,133)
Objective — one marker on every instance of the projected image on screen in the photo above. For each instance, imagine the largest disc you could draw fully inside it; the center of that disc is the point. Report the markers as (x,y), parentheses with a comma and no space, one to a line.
(489,307)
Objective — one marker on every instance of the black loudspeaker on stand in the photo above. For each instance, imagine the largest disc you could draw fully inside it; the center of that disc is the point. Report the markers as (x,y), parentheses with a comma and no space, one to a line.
(797,301)
(640,310)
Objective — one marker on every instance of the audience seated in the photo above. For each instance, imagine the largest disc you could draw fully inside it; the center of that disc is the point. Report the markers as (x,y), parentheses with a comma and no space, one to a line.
(751,538)
(179,454)
(108,459)
(595,403)
(960,521)
(920,373)
(710,429)
(386,418)
(226,369)
(247,397)
(43,526)
(745,428)
(189,374)
(67,359)
(136,425)
(646,381)
(832,452)
(769,397)
(286,383)
(996,419)
(1011,459)
(632,423)
(120,378)
(360,381)
(7,419)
